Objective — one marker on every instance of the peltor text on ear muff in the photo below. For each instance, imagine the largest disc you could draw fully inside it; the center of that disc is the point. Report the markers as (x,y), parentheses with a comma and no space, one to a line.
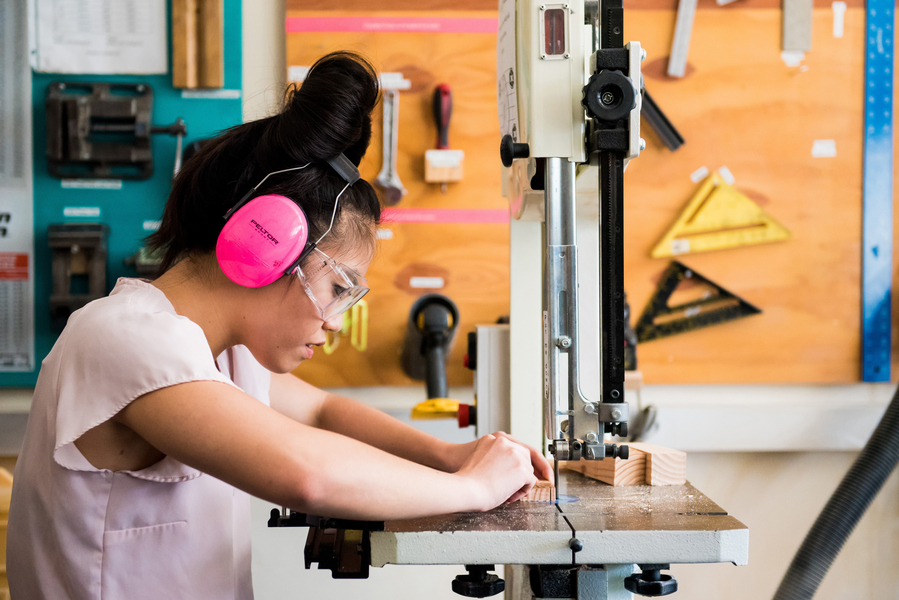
(261,240)
(267,236)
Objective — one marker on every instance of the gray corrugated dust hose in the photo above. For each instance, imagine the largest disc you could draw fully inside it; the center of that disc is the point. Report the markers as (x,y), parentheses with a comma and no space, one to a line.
(844,509)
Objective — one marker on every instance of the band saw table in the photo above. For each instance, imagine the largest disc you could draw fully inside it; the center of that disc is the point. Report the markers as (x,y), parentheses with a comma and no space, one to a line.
(615,525)
(593,539)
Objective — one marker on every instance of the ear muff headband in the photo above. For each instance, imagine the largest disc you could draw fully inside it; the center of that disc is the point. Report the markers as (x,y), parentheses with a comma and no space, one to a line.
(267,236)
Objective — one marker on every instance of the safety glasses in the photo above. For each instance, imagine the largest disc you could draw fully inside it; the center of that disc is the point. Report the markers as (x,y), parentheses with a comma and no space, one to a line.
(333,287)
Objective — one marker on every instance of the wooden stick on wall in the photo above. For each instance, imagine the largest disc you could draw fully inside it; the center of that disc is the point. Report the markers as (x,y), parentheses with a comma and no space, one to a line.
(211,33)
(184,43)
(198,43)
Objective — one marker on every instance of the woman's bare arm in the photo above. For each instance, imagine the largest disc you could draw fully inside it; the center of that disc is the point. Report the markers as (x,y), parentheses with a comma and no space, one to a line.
(222,431)
(305,403)
(310,405)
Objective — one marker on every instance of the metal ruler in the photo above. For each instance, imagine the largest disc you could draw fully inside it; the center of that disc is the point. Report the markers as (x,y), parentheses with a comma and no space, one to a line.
(680,45)
(877,227)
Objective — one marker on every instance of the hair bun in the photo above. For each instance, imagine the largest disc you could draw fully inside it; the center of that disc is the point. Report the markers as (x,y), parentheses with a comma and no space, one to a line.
(330,113)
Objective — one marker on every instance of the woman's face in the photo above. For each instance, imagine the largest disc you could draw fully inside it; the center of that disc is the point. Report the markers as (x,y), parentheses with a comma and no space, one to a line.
(290,326)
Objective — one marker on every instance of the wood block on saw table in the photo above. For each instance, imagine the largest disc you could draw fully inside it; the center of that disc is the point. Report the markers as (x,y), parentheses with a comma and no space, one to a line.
(543,491)
(648,464)
(612,471)
(664,466)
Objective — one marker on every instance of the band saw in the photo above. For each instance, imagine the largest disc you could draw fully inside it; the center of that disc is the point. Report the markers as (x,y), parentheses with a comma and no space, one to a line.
(569,99)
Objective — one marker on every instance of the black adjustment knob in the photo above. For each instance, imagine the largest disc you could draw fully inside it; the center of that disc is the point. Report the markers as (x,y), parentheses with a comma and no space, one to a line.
(651,582)
(616,451)
(478,583)
(609,96)
(274,517)
(575,544)
(509,150)
(619,429)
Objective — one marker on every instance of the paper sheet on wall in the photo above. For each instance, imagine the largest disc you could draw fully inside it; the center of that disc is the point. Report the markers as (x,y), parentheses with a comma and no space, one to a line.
(16,328)
(16,198)
(100,36)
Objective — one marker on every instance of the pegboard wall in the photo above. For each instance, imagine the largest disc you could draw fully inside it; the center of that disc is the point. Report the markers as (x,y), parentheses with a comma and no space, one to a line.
(740,105)
(788,129)
(130,211)
(454,243)
(743,106)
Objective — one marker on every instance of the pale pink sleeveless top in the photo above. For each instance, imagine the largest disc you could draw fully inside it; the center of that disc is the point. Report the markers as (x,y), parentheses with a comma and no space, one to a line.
(165,532)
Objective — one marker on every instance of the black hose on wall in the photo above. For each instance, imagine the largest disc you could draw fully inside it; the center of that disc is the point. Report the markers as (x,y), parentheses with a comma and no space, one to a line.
(844,509)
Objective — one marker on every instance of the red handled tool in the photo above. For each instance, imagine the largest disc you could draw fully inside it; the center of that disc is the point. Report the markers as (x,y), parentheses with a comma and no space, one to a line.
(443,110)
(443,165)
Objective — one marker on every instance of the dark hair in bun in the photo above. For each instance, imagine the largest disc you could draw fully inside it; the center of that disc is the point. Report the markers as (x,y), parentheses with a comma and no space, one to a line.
(328,114)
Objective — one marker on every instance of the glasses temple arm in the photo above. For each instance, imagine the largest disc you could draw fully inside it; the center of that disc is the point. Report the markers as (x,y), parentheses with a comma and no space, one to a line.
(333,214)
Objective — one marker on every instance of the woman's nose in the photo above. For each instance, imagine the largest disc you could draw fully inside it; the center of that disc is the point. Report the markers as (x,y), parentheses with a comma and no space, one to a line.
(334,323)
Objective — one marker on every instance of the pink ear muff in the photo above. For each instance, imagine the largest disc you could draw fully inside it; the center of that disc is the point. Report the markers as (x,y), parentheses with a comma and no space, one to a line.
(262,239)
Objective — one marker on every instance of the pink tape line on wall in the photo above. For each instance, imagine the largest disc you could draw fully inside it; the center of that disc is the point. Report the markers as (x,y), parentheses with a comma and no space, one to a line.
(391,24)
(444,215)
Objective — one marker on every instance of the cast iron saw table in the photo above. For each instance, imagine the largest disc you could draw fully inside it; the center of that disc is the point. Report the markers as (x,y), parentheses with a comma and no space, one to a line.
(599,531)
(615,525)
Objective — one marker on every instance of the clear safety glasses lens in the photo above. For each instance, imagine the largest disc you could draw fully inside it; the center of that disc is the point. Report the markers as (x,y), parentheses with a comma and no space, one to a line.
(332,287)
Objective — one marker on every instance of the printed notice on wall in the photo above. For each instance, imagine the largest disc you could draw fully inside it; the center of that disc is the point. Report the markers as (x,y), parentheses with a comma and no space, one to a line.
(16,330)
(100,36)
(17,352)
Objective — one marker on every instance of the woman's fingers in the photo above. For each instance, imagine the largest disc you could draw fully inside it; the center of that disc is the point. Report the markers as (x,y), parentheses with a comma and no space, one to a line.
(542,469)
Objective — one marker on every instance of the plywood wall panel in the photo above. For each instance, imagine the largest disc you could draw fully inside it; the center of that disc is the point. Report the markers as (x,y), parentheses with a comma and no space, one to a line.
(742,107)
(473,258)
(739,106)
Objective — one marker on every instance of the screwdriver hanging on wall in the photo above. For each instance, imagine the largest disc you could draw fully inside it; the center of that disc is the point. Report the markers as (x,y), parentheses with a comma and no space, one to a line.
(443,165)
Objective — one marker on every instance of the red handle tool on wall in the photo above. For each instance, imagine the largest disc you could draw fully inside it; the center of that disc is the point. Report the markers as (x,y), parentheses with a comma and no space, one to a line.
(443,110)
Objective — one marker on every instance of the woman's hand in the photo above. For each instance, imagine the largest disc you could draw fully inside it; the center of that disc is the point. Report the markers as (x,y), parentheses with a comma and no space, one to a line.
(459,453)
(498,470)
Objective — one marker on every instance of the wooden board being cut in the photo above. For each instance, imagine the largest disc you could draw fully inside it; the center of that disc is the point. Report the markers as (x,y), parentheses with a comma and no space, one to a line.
(664,466)
(613,471)
(648,464)
(543,491)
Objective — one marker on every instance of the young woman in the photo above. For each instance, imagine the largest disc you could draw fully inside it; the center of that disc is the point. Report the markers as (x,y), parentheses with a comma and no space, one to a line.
(162,404)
